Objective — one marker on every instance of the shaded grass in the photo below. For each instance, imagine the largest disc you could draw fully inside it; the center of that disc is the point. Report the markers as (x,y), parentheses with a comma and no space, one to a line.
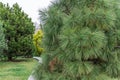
(17,70)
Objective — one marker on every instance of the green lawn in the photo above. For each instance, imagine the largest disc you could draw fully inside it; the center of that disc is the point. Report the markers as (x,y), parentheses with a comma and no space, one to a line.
(19,70)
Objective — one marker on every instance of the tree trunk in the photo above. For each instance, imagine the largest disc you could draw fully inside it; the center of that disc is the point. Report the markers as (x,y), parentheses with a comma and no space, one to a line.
(10,58)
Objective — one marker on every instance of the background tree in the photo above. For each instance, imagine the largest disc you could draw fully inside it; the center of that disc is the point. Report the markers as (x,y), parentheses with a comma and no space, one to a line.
(81,39)
(25,29)
(19,30)
(3,45)
(37,40)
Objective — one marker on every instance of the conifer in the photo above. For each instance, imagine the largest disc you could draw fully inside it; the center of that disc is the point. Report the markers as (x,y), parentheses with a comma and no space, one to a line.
(81,40)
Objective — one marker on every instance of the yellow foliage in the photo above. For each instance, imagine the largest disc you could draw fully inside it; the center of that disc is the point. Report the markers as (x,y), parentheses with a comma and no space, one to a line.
(37,40)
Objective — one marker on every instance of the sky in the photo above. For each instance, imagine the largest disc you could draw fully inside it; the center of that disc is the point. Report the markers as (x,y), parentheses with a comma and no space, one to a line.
(30,7)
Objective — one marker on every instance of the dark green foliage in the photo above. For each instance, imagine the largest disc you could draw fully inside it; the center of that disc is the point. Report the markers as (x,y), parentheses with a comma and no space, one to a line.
(19,29)
(3,45)
(84,36)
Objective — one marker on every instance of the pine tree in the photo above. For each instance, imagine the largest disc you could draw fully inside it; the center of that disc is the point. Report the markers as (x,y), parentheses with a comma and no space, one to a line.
(81,40)
(3,45)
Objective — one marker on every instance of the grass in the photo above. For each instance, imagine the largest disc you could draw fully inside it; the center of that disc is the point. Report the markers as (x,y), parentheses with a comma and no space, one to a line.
(19,70)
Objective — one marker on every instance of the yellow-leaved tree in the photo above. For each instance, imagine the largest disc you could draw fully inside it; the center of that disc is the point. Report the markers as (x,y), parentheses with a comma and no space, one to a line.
(37,40)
